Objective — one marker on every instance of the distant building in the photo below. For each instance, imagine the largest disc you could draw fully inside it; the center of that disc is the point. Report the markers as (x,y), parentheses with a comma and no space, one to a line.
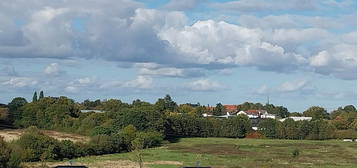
(230,108)
(95,111)
(297,118)
(257,114)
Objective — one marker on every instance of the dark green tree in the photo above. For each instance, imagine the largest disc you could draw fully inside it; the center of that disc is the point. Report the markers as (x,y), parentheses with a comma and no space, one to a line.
(268,128)
(218,110)
(14,108)
(166,104)
(34,98)
(41,95)
(350,108)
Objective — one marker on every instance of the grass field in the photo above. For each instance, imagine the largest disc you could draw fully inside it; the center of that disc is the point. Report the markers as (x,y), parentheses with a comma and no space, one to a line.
(236,153)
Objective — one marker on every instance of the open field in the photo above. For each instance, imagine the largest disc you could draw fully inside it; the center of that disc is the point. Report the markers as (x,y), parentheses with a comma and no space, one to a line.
(235,153)
(13,134)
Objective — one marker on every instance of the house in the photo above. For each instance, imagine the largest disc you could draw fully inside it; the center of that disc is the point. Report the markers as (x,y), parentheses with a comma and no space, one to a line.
(257,114)
(230,108)
(297,118)
(267,115)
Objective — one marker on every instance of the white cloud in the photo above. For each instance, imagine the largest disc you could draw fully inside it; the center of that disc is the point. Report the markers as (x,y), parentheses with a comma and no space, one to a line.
(52,69)
(85,80)
(221,43)
(141,82)
(340,61)
(19,82)
(152,69)
(165,39)
(292,86)
(71,89)
(205,85)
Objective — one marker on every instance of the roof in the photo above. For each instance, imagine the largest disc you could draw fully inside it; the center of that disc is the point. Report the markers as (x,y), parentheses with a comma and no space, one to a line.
(230,107)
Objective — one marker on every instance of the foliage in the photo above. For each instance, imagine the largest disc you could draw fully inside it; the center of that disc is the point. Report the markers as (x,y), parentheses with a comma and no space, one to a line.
(41,95)
(165,104)
(268,128)
(218,110)
(15,108)
(295,153)
(4,153)
(189,126)
(316,113)
(34,98)
(255,135)
(279,111)
(290,129)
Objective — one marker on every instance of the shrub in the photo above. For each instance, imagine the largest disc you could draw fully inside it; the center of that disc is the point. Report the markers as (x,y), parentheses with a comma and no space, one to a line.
(36,145)
(255,135)
(4,153)
(150,139)
(341,134)
(295,153)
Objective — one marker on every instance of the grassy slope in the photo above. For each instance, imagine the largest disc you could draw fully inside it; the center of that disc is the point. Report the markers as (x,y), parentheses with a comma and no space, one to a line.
(234,153)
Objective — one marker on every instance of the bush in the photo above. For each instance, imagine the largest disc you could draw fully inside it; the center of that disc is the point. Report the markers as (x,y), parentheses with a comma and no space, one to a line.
(9,157)
(36,145)
(295,153)
(150,139)
(101,144)
(255,135)
(4,153)
(342,134)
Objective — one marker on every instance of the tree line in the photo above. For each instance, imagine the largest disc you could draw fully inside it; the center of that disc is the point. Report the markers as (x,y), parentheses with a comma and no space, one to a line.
(120,123)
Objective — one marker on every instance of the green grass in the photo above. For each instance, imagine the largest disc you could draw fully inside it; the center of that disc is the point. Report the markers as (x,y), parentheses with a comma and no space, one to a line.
(246,153)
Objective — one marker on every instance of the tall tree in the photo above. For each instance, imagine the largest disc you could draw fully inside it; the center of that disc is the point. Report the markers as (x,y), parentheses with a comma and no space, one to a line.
(218,110)
(41,95)
(34,98)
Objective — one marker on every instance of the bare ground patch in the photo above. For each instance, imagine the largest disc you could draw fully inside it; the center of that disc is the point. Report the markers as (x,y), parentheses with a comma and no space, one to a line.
(106,164)
(14,134)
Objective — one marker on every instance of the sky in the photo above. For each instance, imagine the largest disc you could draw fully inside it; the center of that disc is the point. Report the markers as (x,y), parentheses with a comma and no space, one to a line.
(299,53)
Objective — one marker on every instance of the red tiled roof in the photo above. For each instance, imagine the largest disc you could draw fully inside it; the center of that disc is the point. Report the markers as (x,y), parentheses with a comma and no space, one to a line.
(230,107)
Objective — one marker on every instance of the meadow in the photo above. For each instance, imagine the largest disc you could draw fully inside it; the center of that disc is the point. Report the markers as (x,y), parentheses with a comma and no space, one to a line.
(233,153)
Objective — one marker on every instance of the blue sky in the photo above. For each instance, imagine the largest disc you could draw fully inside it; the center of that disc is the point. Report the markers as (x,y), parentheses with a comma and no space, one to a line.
(298,52)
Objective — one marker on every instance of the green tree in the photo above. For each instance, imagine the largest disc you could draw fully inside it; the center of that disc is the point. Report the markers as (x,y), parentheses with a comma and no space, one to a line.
(350,108)
(268,128)
(166,104)
(316,113)
(218,110)
(34,98)
(41,95)
(14,108)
